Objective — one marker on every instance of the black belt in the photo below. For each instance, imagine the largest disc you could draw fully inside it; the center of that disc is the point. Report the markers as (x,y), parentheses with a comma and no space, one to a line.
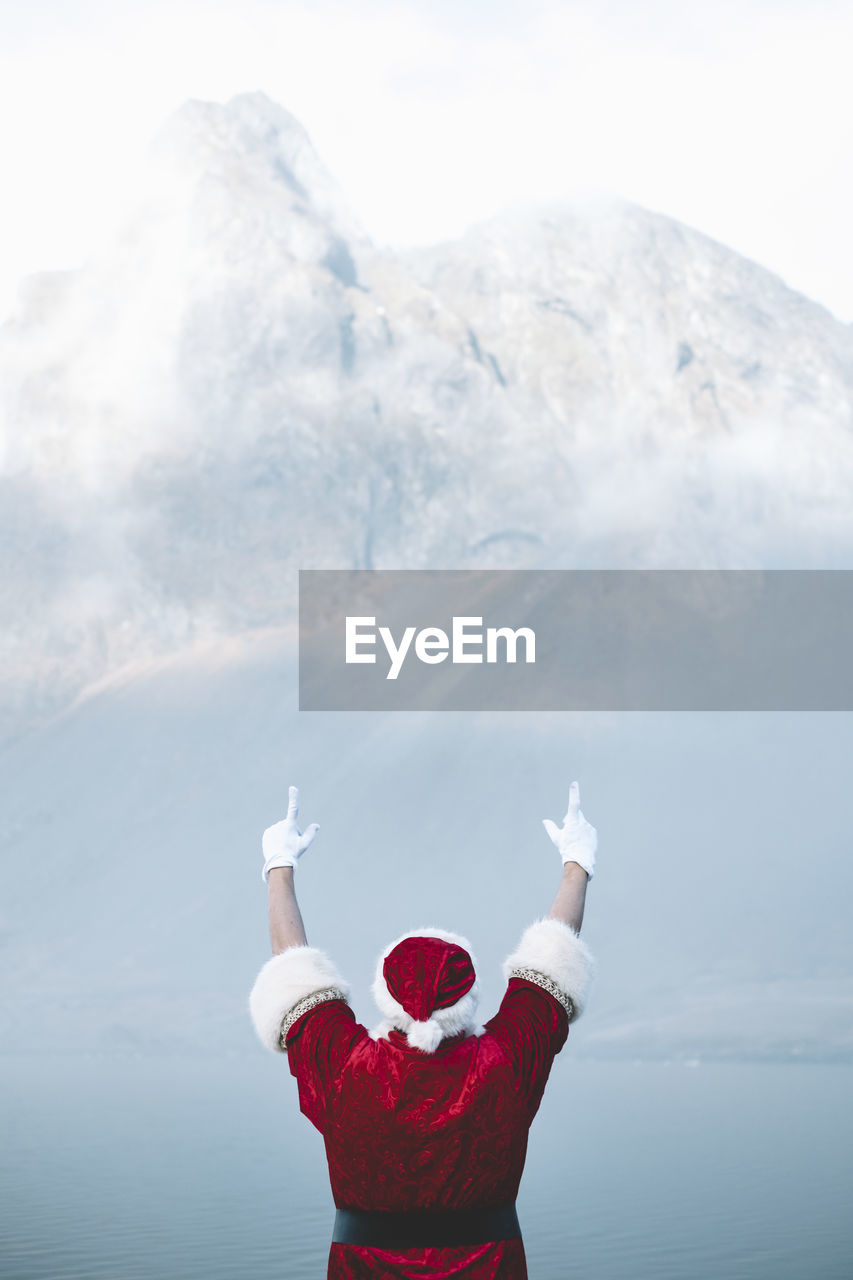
(425,1228)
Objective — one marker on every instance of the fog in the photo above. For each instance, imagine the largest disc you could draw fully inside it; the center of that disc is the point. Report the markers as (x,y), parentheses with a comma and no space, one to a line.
(134,911)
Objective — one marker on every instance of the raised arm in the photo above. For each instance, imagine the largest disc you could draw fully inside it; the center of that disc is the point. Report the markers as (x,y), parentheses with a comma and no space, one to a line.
(286,927)
(576,842)
(551,956)
(297,979)
(570,898)
(283,846)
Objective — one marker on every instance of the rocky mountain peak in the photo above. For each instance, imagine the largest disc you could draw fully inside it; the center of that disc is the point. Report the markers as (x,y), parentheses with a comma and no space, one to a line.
(242,384)
(250,146)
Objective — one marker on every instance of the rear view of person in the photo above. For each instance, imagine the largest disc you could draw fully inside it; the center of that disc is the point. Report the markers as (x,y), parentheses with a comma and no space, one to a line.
(425,1119)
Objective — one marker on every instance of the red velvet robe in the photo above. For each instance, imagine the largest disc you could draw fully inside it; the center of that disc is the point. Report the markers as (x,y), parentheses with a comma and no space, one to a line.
(409,1130)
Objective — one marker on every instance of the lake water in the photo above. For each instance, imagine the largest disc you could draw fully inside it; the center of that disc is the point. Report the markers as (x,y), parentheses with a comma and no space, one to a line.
(191,1167)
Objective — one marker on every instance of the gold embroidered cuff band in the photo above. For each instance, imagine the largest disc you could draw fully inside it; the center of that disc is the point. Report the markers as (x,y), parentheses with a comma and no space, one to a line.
(547,984)
(302,1006)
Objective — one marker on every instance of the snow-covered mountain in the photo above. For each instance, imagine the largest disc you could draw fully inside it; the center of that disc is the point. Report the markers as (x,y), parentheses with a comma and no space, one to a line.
(240,383)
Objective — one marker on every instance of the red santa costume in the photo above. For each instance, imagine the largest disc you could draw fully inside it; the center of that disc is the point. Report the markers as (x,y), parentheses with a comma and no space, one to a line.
(425,1120)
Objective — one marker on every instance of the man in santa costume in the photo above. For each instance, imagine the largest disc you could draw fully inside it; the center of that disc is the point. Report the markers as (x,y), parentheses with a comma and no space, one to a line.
(425,1119)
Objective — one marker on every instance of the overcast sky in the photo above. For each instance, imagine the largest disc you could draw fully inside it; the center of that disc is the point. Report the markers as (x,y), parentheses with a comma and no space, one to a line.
(735,117)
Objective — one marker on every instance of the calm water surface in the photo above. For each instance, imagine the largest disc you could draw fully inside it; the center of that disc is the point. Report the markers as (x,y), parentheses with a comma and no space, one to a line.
(176,1168)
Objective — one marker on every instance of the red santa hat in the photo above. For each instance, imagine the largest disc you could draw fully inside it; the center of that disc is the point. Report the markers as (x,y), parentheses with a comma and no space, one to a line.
(426,985)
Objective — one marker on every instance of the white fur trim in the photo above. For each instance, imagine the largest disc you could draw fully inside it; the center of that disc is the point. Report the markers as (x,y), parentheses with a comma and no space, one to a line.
(553,948)
(284,981)
(426,1036)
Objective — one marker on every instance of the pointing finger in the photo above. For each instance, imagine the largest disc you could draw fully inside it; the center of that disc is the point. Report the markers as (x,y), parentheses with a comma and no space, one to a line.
(293,802)
(574,800)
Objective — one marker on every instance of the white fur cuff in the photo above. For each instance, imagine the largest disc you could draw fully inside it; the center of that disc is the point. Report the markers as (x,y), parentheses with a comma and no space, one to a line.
(554,949)
(284,981)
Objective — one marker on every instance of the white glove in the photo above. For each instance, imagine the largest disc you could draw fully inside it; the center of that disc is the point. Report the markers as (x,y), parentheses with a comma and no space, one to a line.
(284,844)
(577,839)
